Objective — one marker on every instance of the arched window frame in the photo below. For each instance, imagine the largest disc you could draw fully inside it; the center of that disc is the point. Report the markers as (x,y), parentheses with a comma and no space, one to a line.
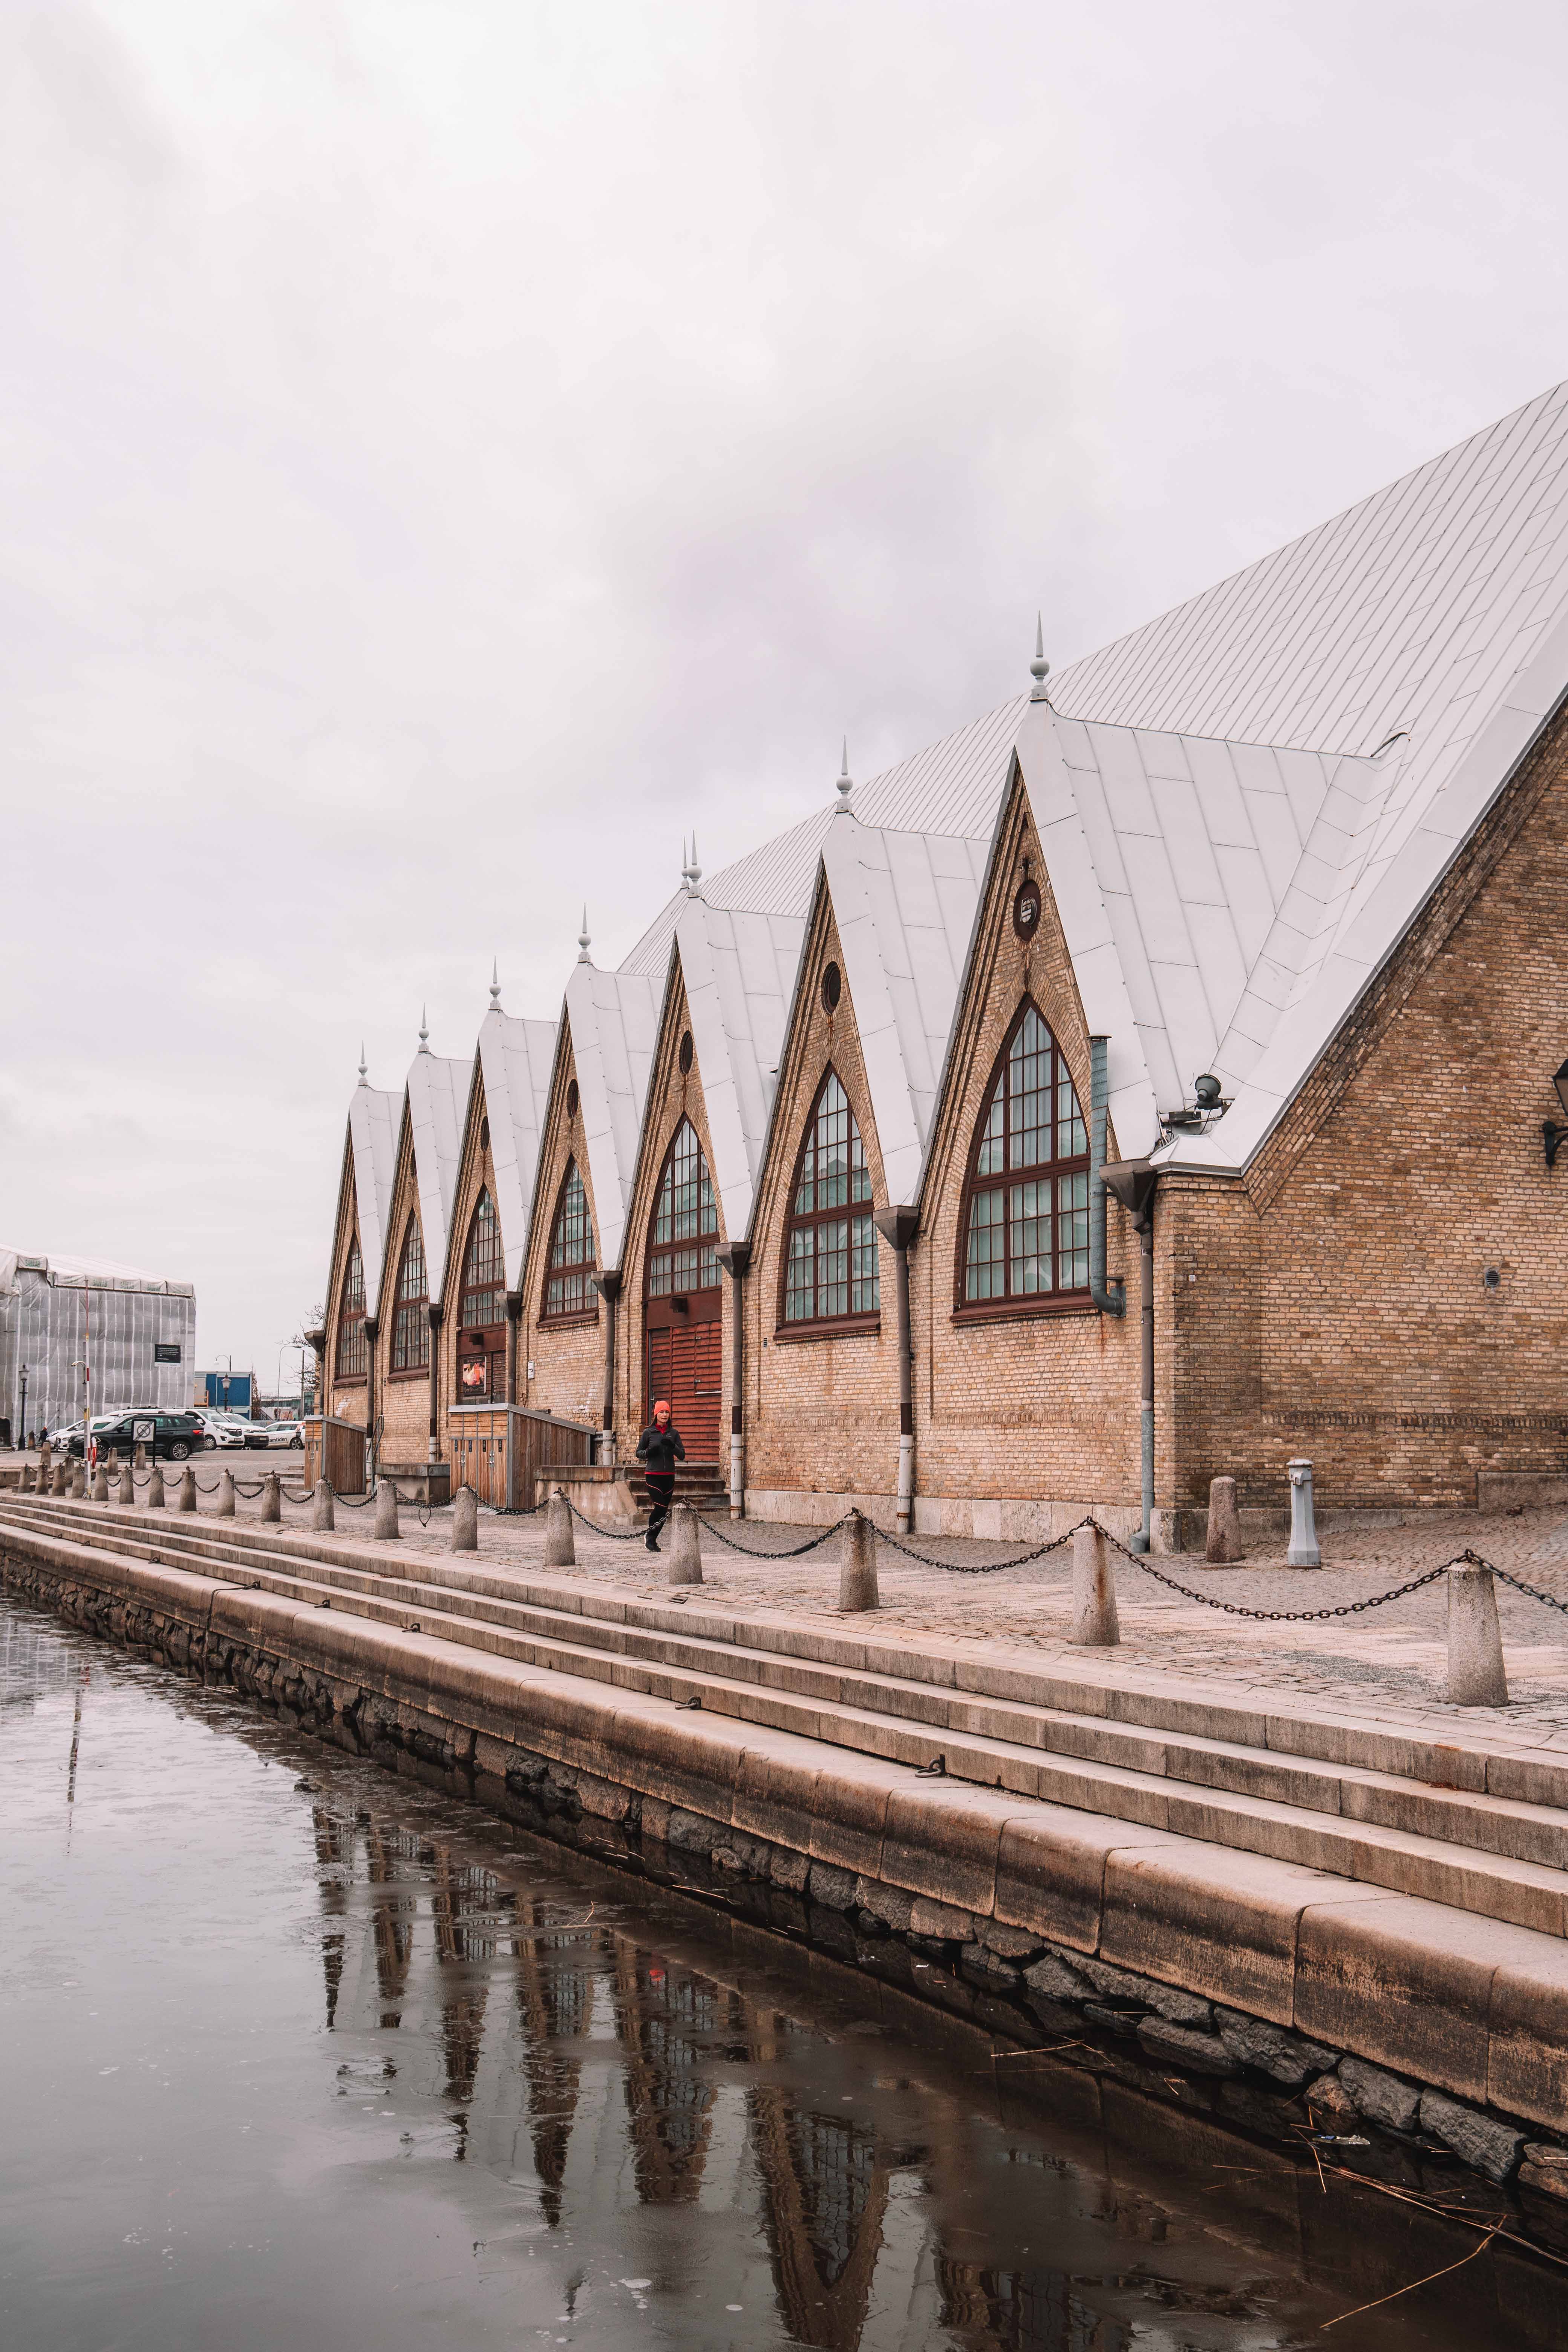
(481,1310)
(568,1294)
(683,1259)
(862,1282)
(350,1348)
(410,1356)
(1064,1172)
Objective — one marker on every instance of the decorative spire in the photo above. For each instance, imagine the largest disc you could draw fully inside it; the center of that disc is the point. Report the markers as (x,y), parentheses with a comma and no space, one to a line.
(1039,668)
(583,940)
(363,1065)
(845,784)
(691,872)
(424,1031)
(495,982)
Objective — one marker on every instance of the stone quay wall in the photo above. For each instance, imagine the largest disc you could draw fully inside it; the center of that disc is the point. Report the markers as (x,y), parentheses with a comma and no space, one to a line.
(1020,1917)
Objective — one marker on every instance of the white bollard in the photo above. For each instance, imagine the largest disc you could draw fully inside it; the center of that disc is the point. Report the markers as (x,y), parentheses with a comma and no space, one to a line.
(25,1484)
(155,1488)
(78,1480)
(857,1575)
(686,1551)
(100,1484)
(127,1487)
(186,1498)
(386,1528)
(1224,1544)
(1476,1676)
(560,1551)
(271,1500)
(464,1520)
(225,1494)
(1303,1551)
(323,1518)
(1094,1619)
(58,1482)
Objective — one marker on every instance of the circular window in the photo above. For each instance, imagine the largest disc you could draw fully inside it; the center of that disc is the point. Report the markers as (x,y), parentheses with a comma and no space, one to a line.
(832,987)
(1026,910)
(684,1056)
(572,1099)
(484,1135)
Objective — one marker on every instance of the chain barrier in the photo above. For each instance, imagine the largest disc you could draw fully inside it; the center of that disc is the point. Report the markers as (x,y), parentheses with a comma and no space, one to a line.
(761,1551)
(986,1567)
(635,1535)
(1517,1584)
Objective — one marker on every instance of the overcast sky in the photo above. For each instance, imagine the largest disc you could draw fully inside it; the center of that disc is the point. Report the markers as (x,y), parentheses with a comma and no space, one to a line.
(454,447)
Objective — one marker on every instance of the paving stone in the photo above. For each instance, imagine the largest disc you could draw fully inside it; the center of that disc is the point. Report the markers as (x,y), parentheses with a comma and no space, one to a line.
(1490,2147)
(1382,2098)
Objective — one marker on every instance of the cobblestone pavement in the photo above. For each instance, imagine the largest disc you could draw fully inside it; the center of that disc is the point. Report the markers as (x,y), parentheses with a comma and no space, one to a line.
(1388,1660)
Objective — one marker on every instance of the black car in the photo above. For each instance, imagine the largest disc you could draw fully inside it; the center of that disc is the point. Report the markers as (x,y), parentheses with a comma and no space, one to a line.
(172,1436)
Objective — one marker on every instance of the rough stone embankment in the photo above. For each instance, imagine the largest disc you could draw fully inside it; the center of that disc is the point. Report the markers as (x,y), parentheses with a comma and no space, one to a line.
(904,1812)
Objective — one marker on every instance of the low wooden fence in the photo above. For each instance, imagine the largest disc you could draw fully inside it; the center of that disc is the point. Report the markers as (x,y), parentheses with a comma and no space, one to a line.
(506,1452)
(334,1450)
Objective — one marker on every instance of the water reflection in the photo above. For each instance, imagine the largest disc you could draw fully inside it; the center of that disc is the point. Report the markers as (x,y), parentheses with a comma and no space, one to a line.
(514,2096)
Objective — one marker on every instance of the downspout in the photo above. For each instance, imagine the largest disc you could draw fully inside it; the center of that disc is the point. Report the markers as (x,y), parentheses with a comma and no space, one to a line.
(1133,1182)
(899,1227)
(513,1315)
(371,1329)
(433,1443)
(1110,1299)
(735,1258)
(609,1285)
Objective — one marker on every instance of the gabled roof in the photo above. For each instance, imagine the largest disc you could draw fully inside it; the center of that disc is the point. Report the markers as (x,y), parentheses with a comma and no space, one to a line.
(515,1062)
(372,1158)
(438,1092)
(739,971)
(614,1020)
(905,905)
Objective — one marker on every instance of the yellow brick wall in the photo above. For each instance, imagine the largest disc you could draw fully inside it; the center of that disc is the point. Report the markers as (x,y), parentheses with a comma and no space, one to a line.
(568,1359)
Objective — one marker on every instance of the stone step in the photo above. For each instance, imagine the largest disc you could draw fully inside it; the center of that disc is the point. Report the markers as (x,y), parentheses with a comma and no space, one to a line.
(1448,1846)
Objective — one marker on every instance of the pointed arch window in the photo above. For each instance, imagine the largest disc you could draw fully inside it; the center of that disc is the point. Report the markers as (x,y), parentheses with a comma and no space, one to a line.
(1025,1232)
(682,1256)
(830,1272)
(352,1354)
(569,1271)
(411,1307)
(481,1309)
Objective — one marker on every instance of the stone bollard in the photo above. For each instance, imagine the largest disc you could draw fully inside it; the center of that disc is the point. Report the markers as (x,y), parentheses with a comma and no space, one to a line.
(155,1488)
(1094,1619)
(324,1517)
(128,1488)
(560,1550)
(139,1457)
(226,1494)
(686,1551)
(187,1499)
(25,1482)
(46,1465)
(58,1482)
(1303,1551)
(385,1511)
(464,1520)
(1224,1543)
(1476,1677)
(78,1482)
(857,1575)
(100,1484)
(271,1500)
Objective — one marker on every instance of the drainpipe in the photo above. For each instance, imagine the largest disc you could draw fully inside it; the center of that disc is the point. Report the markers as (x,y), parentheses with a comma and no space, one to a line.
(371,1329)
(609,1285)
(1110,1299)
(735,1258)
(432,1445)
(1133,1182)
(899,1227)
(513,1317)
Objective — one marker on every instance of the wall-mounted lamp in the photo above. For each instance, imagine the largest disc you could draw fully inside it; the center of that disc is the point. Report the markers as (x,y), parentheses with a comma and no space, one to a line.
(1552,1135)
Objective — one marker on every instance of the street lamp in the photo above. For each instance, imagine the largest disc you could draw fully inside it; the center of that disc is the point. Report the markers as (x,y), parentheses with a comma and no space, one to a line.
(1552,1135)
(22,1413)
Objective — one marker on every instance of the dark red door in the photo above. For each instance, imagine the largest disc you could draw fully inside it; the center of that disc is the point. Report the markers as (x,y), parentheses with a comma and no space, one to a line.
(685,1363)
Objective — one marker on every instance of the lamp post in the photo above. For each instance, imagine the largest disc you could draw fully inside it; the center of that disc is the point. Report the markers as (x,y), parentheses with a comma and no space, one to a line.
(1552,1135)
(22,1413)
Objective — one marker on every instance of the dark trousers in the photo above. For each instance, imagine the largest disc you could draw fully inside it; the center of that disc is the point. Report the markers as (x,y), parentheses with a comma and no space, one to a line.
(661,1486)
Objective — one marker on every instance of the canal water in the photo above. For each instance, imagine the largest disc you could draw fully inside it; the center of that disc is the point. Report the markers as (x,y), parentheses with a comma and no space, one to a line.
(298,2054)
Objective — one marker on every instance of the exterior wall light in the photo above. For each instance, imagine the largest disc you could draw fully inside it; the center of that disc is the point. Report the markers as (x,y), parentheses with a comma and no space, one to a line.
(1552,1135)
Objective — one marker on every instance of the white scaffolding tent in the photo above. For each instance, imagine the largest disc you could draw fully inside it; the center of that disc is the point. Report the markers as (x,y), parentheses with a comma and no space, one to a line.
(64,1316)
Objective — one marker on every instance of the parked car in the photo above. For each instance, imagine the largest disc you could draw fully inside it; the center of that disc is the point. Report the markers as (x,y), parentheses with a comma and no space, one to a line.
(70,1439)
(284,1433)
(229,1429)
(176,1435)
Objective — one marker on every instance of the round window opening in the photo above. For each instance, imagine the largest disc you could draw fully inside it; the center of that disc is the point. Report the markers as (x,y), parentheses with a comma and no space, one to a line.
(1026,910)
(684,1056)
(572,1099)
(484,1135)
(832,987)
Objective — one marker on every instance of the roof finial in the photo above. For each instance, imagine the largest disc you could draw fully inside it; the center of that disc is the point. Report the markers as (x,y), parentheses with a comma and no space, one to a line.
(424,1031)
(495,981)
(846,784)
(363,1065)
(691,872)
(583,940)
(1039,668)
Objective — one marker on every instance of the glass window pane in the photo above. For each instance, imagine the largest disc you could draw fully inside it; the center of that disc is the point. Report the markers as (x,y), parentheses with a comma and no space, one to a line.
(1072,1231)
(1029,1266)
(1072,1136)
(985,1262)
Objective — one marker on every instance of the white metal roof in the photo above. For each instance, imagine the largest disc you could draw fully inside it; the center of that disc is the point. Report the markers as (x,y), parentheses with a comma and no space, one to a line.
(373,1114)
(739,969)
(515,1061)
(613,1017)
(437,1091)
(87,1272)
(905,905)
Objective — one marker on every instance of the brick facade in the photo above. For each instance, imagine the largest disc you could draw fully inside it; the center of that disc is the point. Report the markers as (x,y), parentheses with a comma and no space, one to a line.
(561,1366)
(402,1398)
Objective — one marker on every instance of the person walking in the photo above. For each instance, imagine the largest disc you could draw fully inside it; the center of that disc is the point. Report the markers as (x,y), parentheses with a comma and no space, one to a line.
(659,1449)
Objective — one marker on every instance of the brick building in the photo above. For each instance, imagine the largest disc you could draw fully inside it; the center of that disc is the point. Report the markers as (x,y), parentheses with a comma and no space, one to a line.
(1218,979)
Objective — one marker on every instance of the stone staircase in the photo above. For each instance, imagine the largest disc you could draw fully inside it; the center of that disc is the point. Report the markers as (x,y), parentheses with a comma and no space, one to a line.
(704,1485)
(1477,1823)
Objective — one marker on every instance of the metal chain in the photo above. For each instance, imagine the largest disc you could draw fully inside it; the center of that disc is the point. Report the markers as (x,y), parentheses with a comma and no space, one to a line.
(593,1526)
(1520,1586)
(985,1567)
(759,1552)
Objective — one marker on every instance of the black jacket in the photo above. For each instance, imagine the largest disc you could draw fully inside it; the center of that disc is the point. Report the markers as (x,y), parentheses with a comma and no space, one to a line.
(661,1449)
